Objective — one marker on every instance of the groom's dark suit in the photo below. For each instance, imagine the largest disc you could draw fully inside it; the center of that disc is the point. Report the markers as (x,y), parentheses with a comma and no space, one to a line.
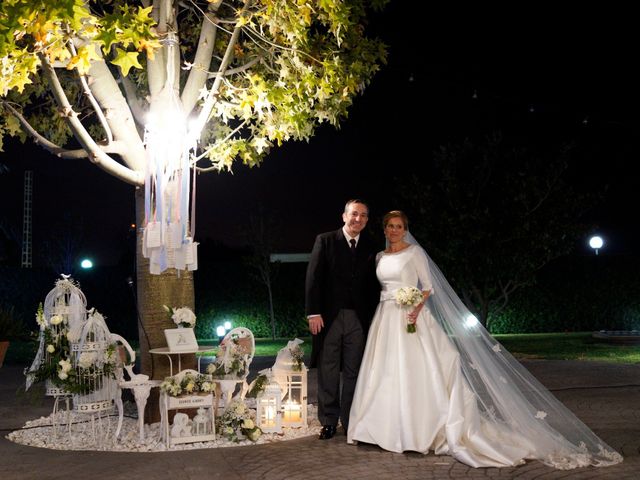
(340,284)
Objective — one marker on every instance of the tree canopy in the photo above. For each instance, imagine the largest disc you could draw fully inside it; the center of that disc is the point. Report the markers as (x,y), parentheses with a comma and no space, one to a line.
(247,75)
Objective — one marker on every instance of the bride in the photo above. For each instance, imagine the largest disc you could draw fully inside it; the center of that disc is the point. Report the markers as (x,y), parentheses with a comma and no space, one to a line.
(448,386)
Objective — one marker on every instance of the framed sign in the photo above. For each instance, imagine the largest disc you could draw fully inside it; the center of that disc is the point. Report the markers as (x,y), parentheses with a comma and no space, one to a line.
(181,340)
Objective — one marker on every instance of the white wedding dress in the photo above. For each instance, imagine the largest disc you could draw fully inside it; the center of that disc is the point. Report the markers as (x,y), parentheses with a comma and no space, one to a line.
(412,394)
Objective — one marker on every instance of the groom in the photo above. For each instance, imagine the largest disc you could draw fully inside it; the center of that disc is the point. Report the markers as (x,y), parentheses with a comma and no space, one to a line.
(341,294)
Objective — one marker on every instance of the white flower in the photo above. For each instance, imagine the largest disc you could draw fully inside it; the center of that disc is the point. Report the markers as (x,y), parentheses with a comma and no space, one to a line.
(40,320)
(541,414)
(211,369)
(51,348)
(65,365)
(496,348)
(87,359)
(206,387)
(184,317)
(55,320)
(190,386)
(73,336)
(62,375)
(248,423)
(254,434)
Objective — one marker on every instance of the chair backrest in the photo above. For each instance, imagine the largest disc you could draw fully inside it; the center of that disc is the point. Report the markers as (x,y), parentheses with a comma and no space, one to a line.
(246,340)
(122,364)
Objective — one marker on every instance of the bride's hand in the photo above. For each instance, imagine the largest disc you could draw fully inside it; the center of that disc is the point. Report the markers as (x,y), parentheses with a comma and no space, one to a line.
(413,316)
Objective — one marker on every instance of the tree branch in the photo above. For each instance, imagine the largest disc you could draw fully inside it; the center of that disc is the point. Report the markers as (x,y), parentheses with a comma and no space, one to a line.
(132,99)
(95,154)
(233,71)
(55,149)
(210,101)
(202,59)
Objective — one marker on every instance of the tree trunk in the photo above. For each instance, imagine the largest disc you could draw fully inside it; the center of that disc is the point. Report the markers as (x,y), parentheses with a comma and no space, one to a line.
(271,313)
(171,288)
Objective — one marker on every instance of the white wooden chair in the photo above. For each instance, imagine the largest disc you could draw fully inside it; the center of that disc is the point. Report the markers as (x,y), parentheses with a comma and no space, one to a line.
(226,385)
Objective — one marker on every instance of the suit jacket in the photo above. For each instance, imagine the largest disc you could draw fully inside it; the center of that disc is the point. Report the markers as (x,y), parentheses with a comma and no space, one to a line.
(335,280)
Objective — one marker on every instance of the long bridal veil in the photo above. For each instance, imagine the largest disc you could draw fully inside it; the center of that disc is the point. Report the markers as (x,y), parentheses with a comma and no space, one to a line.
(507,394)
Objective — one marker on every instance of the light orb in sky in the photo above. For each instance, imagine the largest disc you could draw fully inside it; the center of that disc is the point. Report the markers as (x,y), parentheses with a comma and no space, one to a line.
(596,242)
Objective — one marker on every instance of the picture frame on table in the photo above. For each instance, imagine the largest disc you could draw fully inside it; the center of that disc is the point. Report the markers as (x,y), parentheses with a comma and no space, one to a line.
(181,339)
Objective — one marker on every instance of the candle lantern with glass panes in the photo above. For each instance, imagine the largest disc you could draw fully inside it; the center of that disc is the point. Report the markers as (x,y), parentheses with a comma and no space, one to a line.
(293,385)
(268,412)
(290,372)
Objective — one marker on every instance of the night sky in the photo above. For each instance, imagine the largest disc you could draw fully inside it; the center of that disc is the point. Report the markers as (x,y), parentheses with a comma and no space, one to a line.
(542,76)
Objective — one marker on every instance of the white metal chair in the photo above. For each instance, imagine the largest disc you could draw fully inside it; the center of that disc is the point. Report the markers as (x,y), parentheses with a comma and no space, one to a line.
(244,343)
(139,383)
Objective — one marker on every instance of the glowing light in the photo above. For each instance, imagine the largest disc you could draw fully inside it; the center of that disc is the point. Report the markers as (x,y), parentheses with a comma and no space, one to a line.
(470,321)
(227,325)
(220,331)
(86,264)
(596,243)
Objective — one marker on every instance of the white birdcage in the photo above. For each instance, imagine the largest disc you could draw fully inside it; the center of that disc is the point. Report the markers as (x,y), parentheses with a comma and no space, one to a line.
(64,307)
(93,359)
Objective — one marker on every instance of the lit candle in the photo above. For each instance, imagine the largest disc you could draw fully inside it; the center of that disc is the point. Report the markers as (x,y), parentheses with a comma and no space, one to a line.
(292,412)
(269,416)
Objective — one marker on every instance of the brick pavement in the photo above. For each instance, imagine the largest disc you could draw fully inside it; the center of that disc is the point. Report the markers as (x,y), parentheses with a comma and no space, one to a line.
(605,396)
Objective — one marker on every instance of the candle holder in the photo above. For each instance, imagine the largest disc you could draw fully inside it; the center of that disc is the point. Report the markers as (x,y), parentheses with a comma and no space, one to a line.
(294,396)
(268,406)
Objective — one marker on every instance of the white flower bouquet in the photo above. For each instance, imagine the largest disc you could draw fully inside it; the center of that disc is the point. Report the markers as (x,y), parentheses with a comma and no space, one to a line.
(409,297)
(182,317)
(189,385)
(237,422)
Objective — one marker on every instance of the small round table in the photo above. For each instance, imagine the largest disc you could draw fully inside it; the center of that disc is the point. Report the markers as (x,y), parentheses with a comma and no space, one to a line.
(166,352)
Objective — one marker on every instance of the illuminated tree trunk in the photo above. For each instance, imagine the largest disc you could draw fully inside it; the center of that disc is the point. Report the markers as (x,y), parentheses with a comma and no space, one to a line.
(171,288)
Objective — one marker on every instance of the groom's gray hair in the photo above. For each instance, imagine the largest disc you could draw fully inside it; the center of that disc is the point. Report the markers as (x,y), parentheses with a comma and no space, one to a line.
(355,200)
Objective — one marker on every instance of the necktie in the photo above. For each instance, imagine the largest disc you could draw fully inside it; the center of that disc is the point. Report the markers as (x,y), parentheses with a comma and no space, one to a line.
(353,246)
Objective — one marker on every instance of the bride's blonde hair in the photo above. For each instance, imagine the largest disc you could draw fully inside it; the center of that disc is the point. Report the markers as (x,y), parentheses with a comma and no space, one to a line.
(396,214)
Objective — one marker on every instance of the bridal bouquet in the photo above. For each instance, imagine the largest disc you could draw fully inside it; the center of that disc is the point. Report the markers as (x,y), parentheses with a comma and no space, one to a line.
(182,317)
(409,297)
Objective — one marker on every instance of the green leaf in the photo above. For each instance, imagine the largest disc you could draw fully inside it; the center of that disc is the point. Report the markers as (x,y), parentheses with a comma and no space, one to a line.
(126,60)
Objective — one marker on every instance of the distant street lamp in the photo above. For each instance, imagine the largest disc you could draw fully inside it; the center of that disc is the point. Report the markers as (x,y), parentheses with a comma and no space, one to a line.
(86,264)
(596,243)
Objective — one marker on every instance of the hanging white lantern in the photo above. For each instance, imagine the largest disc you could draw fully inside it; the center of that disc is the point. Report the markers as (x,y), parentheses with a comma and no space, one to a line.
(268,408)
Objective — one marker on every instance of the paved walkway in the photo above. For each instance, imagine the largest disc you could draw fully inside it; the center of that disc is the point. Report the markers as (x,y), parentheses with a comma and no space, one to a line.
(605,396)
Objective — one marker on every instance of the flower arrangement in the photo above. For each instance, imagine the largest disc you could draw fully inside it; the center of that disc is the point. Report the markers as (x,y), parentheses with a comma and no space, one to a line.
(297,355)
(59,368)
(182,316)
(189,385)
(258,385)
(409,297)
(231,359)
(237,422)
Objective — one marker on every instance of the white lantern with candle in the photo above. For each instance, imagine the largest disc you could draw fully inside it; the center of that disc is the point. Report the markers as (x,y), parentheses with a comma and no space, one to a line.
(268,412)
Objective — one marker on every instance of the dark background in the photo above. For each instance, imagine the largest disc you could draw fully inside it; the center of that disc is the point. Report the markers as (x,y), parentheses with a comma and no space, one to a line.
(540,75)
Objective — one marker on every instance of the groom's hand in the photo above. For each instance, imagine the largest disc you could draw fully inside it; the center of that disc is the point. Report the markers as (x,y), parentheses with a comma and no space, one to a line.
(315,324)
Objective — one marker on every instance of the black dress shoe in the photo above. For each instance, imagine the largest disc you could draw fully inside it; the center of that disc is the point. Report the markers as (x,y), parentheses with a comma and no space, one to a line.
(327,432)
